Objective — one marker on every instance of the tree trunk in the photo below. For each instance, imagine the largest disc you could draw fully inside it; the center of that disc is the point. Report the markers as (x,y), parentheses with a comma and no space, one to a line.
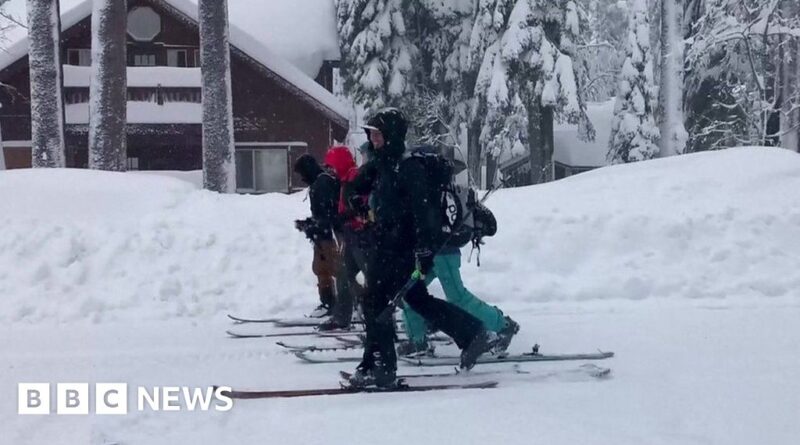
(474,152)
(47,107)
(535,142)
(2,152)
(548,143)
(790,91)
(108,91)
(219,170)
(670,114)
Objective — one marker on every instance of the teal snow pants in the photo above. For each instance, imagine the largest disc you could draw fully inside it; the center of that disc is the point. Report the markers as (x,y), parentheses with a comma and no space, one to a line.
(447,267)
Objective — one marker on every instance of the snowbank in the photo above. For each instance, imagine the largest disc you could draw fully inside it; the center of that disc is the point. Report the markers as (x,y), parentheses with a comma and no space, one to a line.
(84,245)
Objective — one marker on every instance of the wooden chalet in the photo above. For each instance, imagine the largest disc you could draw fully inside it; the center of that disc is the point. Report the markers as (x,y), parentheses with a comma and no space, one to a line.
(279,111)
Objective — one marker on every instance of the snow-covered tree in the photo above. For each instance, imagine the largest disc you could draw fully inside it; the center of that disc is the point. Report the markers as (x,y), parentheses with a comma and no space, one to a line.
(634,134)
(219,169)
(600,58)
(108,89)
(497,110)
(670,116)
(735,84)
(527,80)
(377,55)
(47,116)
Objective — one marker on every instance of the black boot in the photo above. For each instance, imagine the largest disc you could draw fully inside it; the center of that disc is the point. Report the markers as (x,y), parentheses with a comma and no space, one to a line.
(483,342)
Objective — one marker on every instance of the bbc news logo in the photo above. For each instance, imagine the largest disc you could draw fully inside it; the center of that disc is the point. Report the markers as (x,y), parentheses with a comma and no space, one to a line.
(112,398)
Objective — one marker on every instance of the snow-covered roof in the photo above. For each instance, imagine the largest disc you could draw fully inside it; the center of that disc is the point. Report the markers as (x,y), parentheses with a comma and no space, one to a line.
(139,76)
(301,31)
(145,113)
(254,45)
(572,151)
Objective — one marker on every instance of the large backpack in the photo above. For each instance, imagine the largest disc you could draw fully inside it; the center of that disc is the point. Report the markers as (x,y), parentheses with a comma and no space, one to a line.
(463,217)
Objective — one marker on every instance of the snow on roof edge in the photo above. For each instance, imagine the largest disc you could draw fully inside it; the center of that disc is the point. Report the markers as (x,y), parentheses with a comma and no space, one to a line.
(69,18)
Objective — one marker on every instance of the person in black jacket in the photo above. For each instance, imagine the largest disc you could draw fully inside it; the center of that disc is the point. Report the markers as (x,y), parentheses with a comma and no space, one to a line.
(319,228)
(407,234)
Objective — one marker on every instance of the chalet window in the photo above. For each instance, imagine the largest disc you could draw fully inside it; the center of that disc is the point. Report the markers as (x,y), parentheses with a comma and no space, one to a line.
(133,163)
(177,57)
(263,167)
(79,57)
(144,24)
(196,56)
(144,60)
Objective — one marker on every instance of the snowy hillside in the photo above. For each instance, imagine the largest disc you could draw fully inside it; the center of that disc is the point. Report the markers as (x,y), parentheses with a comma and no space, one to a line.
(687,268)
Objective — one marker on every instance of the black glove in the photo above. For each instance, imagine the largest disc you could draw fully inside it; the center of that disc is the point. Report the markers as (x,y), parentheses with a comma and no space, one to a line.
(424,260)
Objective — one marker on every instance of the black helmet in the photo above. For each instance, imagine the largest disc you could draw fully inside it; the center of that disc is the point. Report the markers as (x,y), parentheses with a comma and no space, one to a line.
(389,121)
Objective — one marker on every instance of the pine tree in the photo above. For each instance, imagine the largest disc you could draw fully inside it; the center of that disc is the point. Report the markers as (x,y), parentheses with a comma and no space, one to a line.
(219,169)
(671,126)
(47,115)
(528,79)
(634,134)
(108,91)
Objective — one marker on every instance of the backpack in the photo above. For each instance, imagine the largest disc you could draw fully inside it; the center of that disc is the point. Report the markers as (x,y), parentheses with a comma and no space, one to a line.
(463,217)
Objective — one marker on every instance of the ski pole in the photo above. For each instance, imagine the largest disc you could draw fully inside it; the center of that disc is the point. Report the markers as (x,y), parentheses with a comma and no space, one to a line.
(388,311)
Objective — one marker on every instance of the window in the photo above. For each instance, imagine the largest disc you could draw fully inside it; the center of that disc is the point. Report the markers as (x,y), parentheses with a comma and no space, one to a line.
(196,58)
(144,24)
(144,60)
(262,168)
(177,57)
(79,57)
(133,163)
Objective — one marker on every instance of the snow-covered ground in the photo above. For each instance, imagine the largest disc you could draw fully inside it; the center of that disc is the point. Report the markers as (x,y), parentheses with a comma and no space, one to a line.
(687,268)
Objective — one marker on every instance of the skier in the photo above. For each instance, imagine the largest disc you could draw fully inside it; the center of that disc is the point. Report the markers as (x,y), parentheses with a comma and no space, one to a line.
(406,235)
(319,228)
(447,268)
(354,240)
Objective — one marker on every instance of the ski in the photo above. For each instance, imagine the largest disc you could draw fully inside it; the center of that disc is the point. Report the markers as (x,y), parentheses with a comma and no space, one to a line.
(240,320)
(348,343)
(305,357)
(511,358)
(332,334)
(308,357)
(308,322)
(353,390)
(589,369)
(315,348)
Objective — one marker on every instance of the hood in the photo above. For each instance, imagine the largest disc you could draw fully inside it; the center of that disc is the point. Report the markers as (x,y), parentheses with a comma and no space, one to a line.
(308,168)
(341,160)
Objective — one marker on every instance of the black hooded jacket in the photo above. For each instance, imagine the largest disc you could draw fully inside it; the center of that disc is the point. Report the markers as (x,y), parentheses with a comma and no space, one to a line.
(406,213)
(323,194)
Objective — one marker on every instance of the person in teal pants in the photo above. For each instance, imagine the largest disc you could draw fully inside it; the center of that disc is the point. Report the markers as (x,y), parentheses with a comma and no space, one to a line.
(446,267)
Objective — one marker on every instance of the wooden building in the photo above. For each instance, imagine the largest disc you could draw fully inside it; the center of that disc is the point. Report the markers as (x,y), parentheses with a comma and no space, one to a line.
(279,111)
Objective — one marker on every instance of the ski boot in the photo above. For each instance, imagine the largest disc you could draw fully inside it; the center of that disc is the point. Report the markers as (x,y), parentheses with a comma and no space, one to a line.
(483,342)
(505,335)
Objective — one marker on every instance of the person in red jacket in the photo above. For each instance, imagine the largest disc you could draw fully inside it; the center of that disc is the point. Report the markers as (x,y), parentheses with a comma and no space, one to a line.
(353,216)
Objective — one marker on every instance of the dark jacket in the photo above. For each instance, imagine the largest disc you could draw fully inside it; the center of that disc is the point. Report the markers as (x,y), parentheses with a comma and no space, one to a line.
(405,211)
(323,194)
